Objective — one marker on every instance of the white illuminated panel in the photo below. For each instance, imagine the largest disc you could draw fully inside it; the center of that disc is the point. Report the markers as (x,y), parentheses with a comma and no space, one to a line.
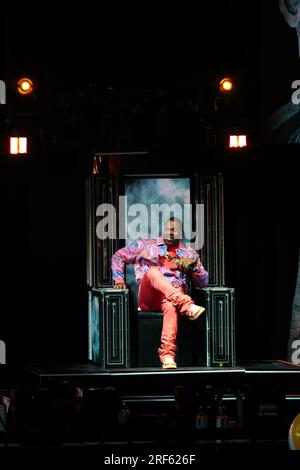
(18,145)
(14,146)
(237,141)
(22,144)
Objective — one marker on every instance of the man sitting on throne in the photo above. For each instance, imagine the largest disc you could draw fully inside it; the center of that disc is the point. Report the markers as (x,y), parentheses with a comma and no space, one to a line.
(164,269)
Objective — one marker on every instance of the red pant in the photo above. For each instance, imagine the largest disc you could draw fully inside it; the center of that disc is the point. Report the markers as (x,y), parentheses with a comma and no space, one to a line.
(157,293)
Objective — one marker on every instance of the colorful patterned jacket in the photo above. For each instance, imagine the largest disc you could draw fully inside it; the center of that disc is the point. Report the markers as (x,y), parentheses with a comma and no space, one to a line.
(148,252)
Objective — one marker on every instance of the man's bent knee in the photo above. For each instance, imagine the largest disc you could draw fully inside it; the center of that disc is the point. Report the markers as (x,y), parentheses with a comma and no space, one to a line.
(153,271)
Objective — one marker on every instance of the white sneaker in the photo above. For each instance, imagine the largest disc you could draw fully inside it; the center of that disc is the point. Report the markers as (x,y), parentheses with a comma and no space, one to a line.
(168,362)
(195,312)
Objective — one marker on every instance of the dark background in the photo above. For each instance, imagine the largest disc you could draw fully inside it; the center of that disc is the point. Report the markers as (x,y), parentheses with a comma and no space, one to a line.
(144,82)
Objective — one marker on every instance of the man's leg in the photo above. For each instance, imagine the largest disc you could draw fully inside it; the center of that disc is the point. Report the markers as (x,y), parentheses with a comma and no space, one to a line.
(156,292)
(155,287)
(169,330)
(151,297)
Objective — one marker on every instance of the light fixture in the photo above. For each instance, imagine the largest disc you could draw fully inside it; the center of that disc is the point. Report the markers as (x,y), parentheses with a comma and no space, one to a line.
(237,141)
(25,86)
(226,85)
(18,145)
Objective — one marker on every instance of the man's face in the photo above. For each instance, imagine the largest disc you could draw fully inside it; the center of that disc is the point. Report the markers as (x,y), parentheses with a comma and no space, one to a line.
(172,233)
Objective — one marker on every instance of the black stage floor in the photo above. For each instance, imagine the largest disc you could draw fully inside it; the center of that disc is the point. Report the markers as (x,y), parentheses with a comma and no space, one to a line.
(63,370)
(264,371)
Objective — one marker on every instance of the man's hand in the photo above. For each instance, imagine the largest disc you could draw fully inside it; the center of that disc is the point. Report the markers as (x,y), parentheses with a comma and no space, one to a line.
(185,263)
(120,285)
